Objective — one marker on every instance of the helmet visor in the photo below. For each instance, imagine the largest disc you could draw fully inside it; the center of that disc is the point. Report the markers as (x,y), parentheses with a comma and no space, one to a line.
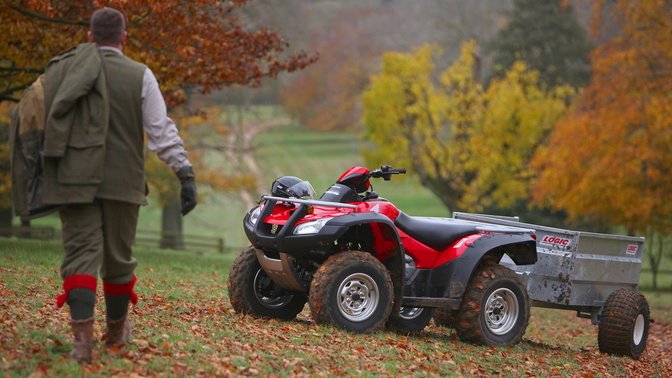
(302,190)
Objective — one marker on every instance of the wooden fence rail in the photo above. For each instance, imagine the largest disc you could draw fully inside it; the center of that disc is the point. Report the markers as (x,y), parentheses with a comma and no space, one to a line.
(143,238)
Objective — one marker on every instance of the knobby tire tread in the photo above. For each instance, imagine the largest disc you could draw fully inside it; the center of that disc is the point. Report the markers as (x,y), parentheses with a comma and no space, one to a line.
(418,324)
(324,279)
(468,323)
(241,268)
(244,266)
(615,332)
(445,317)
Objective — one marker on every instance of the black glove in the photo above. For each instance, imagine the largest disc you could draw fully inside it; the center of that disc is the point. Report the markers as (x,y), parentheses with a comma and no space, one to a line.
(188,193)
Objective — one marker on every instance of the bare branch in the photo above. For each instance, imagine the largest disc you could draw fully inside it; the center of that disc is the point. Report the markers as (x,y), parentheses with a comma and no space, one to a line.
(21,69)
(45,18)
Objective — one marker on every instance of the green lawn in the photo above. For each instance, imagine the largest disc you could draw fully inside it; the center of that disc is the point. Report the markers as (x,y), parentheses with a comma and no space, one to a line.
(184,325)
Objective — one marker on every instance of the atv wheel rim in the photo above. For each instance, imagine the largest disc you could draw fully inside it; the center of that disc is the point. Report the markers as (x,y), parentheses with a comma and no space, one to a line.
(264,290)
(410,313)
(638,332)
(501,311)
(358,297)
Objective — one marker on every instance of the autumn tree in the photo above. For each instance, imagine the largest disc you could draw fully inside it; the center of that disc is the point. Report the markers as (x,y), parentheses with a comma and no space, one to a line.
(548,38)
(198,44)
(470,146)
(610,157)
(326,97)
(351,37)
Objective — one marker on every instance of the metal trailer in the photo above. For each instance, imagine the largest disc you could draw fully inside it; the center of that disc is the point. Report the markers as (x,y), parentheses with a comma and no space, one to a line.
(596,275)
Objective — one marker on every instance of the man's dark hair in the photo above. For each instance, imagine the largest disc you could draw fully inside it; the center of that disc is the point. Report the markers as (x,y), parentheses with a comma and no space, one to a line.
(107,26)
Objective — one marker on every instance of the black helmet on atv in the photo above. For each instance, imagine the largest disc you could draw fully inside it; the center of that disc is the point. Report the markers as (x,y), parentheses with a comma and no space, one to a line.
(292,187)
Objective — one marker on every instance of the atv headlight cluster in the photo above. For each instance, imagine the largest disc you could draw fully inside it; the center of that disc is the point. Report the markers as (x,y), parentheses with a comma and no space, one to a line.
(255,215)
(312,227)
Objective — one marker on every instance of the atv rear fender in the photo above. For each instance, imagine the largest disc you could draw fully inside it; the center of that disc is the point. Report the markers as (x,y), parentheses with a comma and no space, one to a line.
(450,280)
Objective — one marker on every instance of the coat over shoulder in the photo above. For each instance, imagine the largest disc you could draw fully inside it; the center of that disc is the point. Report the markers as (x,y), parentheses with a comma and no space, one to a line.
(77,111)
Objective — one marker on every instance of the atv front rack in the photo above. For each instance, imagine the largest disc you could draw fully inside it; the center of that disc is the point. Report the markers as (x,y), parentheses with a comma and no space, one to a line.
(282,239)
(312,202)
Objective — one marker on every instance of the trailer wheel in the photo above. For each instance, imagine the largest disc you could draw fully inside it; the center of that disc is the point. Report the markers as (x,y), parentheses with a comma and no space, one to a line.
(624,324)
(252,291)
(445,317)
(495,308)
(353,291)
(412,319)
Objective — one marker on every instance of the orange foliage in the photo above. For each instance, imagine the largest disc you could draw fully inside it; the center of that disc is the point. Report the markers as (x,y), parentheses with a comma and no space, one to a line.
(199,43)
(610,158)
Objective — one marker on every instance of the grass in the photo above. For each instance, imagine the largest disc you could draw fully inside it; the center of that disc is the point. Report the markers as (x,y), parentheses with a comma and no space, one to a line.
(184,325)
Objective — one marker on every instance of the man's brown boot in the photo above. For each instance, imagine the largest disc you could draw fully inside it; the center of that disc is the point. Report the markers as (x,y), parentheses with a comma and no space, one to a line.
(83,345)
(118,331)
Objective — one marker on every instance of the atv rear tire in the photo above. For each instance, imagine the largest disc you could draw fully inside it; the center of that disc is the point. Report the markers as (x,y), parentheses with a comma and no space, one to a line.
(353,291)
(412,319)
(252,291)
(495,308)
(624,324)
(445,317)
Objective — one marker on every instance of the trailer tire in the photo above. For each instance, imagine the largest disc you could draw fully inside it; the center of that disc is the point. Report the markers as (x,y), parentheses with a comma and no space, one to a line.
(411,319)
(252,291)
(495,308)
(353,291)
(624,324)
(445,317)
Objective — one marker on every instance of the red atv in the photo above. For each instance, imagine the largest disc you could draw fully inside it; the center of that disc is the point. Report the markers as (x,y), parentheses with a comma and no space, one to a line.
(361,263)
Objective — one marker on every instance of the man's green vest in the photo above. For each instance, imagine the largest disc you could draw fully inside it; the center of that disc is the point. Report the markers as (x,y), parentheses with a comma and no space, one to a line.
(124,175)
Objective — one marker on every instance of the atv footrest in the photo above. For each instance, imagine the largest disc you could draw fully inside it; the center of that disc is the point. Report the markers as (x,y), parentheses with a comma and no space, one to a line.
(450,303)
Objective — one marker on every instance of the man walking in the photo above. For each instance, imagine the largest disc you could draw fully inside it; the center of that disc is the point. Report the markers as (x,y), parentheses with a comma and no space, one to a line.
(98,102)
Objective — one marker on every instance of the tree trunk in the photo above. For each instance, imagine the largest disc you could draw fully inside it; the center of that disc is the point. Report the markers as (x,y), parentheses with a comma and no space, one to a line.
(655,256)
(26,232)
(171,225)
(6,215)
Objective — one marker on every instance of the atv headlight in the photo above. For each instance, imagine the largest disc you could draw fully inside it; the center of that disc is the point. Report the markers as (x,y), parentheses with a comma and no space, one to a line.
(310,227)
(255,215)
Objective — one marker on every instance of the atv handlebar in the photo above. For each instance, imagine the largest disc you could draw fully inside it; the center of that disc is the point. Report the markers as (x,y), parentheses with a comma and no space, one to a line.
(386,172)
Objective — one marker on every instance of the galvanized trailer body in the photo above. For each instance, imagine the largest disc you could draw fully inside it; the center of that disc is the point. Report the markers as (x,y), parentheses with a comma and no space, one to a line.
(575,270)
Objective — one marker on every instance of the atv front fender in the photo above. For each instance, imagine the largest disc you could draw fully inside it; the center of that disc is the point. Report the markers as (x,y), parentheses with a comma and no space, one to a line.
(387,243)
(388,247)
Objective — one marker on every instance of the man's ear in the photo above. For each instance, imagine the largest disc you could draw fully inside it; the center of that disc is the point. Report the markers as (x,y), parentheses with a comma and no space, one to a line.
(122,42)
(90,35)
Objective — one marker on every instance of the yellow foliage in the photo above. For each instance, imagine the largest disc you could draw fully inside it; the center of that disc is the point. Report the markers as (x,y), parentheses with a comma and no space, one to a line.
(469,146)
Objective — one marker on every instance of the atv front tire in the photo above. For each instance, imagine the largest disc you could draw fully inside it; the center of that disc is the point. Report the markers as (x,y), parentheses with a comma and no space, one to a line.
(495,308)
(353,291)
(252,291)
(624,324)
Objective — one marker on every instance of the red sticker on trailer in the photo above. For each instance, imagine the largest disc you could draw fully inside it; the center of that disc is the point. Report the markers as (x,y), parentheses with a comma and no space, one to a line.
(631,250)
(555,241)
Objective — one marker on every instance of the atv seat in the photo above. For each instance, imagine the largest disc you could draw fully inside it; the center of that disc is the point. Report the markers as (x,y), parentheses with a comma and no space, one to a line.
(437,233)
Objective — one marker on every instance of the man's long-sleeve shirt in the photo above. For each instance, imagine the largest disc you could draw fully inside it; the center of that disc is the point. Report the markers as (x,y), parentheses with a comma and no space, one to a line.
(162,135)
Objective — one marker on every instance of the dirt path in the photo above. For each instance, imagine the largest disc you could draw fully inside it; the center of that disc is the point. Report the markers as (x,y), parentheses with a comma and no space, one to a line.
(240,155)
